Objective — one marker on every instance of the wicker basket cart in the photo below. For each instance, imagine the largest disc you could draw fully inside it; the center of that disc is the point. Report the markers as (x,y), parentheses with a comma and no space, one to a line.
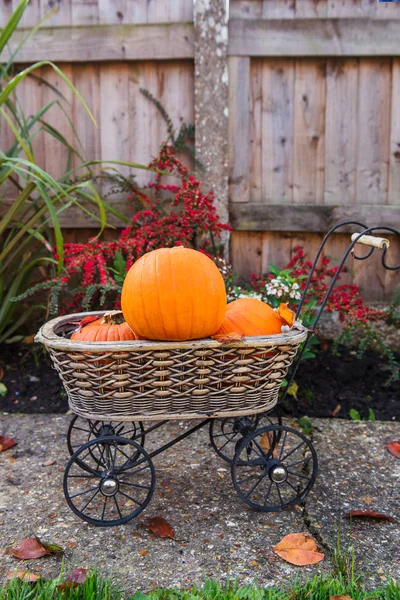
(122,391)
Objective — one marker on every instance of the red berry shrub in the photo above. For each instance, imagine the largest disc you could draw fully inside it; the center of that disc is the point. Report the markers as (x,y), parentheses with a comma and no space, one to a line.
(169,215)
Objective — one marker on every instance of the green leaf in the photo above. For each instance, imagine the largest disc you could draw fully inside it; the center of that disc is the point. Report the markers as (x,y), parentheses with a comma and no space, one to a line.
(3,389)
(293,389)
(371,415)
(6,33)
(354,414)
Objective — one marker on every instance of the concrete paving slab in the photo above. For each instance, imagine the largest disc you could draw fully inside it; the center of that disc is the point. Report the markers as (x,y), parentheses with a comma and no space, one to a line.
(219,536)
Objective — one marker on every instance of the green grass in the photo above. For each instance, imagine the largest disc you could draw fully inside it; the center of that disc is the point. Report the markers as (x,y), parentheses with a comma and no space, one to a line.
(96,588)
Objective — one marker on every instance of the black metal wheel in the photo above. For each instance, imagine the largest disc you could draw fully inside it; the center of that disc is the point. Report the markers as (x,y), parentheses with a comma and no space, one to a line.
(274,468)
(109,480)
(83,430)
(227,434)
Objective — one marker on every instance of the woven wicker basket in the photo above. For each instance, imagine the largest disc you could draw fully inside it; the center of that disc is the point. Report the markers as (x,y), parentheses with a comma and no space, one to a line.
(146,380)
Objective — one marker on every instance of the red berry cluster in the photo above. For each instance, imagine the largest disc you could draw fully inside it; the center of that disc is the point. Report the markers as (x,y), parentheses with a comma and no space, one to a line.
(173,214)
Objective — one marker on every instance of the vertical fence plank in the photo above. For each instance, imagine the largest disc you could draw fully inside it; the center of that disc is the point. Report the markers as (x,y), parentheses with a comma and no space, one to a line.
(114,120)
(84,12)
(256,73)
(283,9)
(341,131)
(245,9)
(112,11)
(394,161)
(62,17)
(31,16)
(387,10)
(56,155)
(309,132)
(373,131)
(277,131)
(275,249)
(169,11)
(311,9)
(246,252)
(239,128)
(350,8)
(87,82)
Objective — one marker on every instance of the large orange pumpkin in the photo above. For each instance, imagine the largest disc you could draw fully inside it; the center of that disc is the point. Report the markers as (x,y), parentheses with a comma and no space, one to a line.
(174,294)
(111,327)
(249,316)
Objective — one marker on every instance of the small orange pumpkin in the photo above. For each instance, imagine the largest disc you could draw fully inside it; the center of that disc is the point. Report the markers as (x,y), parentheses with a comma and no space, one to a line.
(249,316)
(111,327)
(174,294)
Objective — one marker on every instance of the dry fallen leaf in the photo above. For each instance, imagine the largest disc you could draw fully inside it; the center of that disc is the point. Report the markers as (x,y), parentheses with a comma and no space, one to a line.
(299,549)
(267,442)
(143,552)
(160,527)
(394,448)
(225,338)
(336,410)
(75,578)
(340,597)
(6,443)
(24,575)
(48,463)
(29,548)
(370,514)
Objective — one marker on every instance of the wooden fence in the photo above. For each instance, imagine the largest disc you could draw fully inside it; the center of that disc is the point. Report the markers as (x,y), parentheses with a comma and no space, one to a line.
(314,124)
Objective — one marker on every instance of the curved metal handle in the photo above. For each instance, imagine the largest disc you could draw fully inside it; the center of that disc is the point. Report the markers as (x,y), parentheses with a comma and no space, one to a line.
(371,240)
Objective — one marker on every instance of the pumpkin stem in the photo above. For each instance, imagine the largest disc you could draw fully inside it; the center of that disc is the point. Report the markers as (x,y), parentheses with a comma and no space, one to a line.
(113,317)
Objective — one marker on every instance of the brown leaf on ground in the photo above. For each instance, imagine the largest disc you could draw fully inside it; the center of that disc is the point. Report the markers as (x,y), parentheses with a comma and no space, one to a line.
(267,443)
(225,338)
(299,549)
(6,443)
(48,463)
(370,514)
(75,578)
(336,410)
(394,448)
(24,575)
(160,527)
(340,597)
(29,548)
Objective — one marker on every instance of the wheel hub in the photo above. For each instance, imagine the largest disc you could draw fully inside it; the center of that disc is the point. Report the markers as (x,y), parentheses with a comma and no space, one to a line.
(278,474)
(109,486)
(106,429)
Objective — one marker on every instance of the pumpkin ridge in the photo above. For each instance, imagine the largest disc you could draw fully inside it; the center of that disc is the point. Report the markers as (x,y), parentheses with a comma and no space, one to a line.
(142,300)
(191,304)
(158,295)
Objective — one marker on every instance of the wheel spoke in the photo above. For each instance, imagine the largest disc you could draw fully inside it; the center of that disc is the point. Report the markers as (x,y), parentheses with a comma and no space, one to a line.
(294,450)
(81,429)
(255,485)
(299,462)
(282,447)
(231,434)
(279,494)
(116,504)
(298,475)
(130,497)
(249,478)
(226,443)
(267,493)
(89,501)
(136,485)
(85,492)
(292,486)
(84,476)
(103,512)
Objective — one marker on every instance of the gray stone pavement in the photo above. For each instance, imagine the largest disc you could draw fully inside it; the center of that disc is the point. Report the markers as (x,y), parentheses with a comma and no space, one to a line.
(219,536)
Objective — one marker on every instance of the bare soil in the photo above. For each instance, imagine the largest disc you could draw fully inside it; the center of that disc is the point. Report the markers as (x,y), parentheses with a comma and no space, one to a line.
(327,384)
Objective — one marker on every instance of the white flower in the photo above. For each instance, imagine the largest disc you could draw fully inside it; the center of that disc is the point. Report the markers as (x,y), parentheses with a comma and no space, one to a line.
(279,293)
(295,286)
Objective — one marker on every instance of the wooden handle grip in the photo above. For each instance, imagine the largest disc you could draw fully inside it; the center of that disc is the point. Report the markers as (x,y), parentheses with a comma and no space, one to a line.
(371,240)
